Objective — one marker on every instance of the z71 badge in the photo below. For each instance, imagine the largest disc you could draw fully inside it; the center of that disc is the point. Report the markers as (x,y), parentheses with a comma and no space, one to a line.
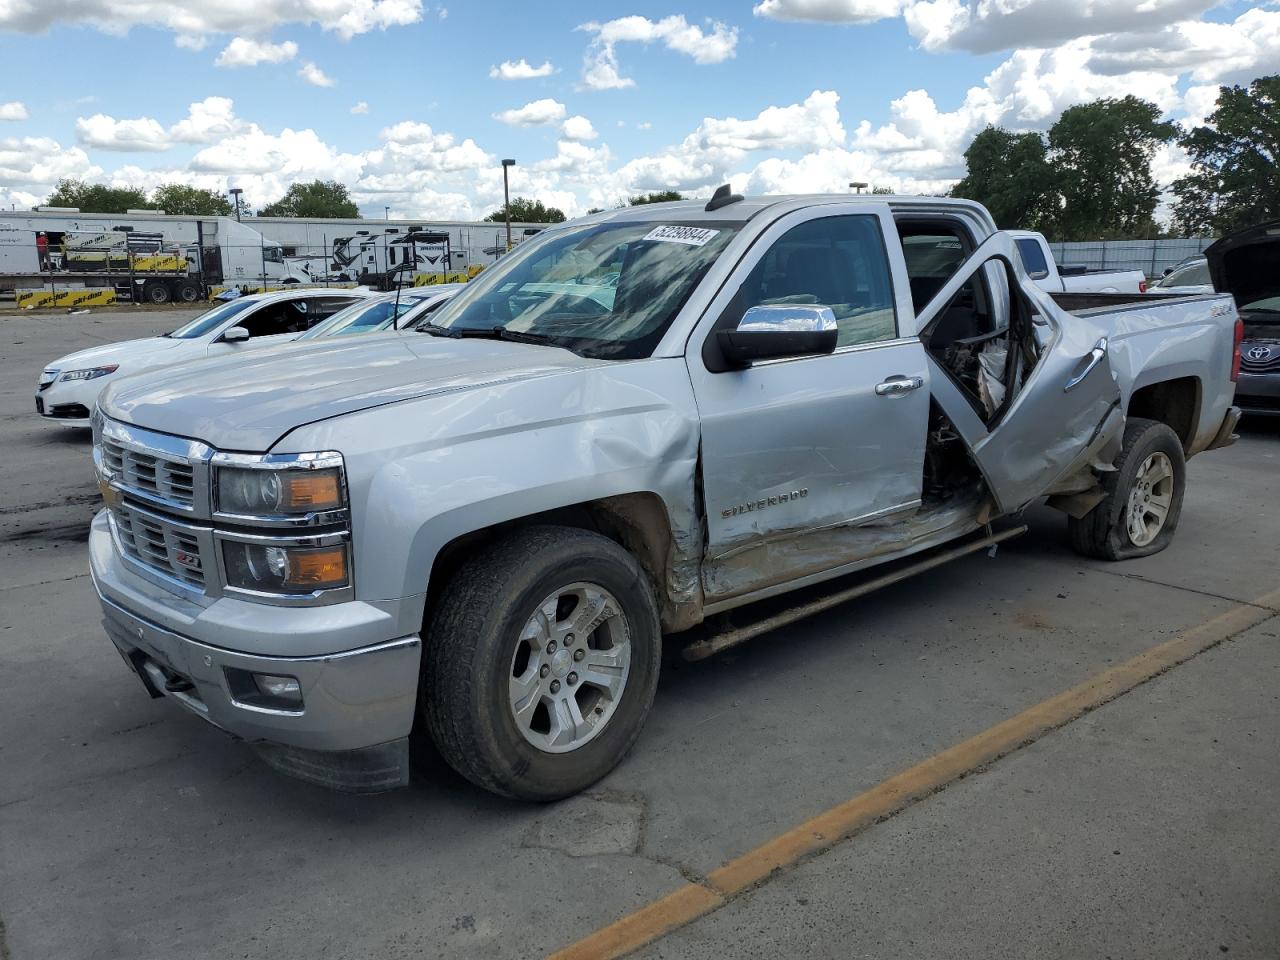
(765,502)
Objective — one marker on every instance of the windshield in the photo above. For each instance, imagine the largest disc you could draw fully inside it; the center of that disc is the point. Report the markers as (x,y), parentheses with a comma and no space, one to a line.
(1191,274)
(209,321)
(362,317)
(607,290)
(1264,305)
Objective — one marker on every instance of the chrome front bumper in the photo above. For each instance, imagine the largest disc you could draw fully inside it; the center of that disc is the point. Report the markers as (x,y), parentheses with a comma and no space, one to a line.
(357,704)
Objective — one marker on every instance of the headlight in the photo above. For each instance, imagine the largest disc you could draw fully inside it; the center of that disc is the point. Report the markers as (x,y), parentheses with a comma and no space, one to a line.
(89,373)
(281,569)
(265,492)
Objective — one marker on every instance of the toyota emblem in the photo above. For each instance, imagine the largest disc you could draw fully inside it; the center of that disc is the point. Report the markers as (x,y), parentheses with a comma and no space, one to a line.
(1258,353)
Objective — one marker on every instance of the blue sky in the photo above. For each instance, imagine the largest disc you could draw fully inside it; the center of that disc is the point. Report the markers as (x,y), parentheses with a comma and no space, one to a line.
(776,94)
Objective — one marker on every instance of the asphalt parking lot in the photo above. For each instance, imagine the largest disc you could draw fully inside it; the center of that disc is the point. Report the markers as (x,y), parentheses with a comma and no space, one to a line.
(1147,827)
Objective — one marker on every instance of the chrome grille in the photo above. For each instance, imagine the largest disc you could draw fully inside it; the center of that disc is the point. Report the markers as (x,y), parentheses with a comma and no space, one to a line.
(168,479)
(161,545)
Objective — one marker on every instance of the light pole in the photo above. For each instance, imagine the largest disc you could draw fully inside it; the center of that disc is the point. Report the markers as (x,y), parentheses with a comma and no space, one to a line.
(387,213)
(235,197)
(506,199)
(858,185)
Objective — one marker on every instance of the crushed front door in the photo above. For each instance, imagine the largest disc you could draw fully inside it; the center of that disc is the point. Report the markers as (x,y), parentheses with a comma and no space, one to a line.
(1064,406)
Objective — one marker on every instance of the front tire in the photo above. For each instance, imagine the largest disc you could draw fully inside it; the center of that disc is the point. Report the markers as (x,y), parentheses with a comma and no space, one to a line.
(541,662)
(1143,500)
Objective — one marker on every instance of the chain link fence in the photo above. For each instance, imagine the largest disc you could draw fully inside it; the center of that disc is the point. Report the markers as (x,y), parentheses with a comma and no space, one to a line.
(1152,257)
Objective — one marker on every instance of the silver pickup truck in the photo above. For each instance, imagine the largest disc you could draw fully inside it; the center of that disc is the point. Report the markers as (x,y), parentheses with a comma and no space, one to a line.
(480,532)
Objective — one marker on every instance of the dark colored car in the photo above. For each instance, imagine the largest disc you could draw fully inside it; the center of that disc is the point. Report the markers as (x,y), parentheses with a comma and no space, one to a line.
(1247,265)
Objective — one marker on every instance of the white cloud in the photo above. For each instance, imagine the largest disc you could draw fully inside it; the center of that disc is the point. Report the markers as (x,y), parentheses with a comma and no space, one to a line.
(1210,51)
(828,11)
(536,113)
(207,120)
(361,107)
(13,110)
(241,52)
(985,26)
(521,70)
(108,133)
(600,65)
(30,166)
(815,123)
(578,128)
(252,17)
(644,125)
(314,75)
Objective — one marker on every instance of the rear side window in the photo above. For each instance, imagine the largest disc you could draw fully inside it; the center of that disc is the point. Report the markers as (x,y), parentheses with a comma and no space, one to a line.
(836,262)
(1033,260)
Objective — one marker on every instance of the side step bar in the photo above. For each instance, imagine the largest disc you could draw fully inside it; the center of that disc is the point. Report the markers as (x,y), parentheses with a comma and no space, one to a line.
(713,644)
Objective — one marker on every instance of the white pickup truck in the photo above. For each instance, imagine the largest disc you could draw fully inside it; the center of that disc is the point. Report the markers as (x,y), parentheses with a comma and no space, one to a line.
(481,532)
(1037,260)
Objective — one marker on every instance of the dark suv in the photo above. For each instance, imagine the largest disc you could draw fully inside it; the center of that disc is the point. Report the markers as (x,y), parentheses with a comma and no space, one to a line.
(1247,265)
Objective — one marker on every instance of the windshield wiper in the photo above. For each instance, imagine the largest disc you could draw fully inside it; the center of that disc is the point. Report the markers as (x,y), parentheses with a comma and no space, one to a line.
(489,333)
(435,330)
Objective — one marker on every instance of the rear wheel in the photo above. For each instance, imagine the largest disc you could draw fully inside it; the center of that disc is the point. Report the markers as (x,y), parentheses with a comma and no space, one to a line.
(541,663)
(1140,512)
(154,292)
(188,293)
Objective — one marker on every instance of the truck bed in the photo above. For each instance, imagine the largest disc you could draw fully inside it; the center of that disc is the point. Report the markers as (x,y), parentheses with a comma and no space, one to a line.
(1091,304)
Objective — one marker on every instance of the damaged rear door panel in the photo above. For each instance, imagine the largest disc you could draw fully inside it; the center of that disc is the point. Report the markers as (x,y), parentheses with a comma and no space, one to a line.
(1035,400)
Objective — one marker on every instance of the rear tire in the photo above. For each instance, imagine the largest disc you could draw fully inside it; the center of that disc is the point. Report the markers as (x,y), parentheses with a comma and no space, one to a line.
(188,293)
(1143,502)
(156,293)
(540,663)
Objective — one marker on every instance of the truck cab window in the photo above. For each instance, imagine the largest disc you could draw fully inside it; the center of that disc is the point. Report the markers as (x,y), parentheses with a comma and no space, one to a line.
(1033,260)
(933,253)
(836,262)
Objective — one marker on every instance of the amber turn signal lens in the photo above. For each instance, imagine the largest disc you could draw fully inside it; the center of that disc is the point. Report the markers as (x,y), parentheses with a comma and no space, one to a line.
(312,490)
(317,569)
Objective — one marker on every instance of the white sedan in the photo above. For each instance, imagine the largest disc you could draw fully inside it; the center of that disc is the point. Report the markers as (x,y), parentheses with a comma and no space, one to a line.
(402,310)
(69,387)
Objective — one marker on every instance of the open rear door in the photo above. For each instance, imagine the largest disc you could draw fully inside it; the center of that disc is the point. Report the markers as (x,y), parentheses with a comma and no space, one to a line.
(1034,398)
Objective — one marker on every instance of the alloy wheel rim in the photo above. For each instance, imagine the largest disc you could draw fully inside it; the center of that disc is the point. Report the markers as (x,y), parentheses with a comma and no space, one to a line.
(570,668)
(1150,499)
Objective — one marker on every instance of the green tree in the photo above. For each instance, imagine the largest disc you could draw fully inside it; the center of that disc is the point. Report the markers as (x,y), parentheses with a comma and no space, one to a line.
(1234,159)
(319,198)
(663,196)
(1101,154)
(1009,173)
(178,198)
(97,197)
(882,191)
(528,211)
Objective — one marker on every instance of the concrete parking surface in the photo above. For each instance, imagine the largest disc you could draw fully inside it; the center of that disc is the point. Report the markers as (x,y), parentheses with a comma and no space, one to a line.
(1146,828)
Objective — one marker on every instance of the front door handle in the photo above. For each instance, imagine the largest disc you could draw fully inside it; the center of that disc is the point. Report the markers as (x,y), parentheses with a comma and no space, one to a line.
(1096,356)
(897,386)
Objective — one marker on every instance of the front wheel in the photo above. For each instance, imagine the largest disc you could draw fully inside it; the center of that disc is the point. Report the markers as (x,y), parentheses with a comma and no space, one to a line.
(540,663)
(1143,499)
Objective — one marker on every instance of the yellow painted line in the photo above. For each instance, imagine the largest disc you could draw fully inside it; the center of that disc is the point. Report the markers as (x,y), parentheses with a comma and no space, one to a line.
(694,900)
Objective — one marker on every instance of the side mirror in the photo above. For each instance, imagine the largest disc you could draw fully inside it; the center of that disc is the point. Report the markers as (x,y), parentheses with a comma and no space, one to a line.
(235,335)
(774,331)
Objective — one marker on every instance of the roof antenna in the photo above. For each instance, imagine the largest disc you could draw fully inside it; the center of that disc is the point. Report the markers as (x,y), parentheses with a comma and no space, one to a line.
(723,196)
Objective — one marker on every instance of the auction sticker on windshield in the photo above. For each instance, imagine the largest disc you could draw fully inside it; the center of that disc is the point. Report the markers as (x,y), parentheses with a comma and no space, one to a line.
(693,236)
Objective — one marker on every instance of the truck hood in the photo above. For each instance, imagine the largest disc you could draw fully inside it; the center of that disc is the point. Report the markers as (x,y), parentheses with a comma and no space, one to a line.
(1246,264)
(247,403)
(146,352)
